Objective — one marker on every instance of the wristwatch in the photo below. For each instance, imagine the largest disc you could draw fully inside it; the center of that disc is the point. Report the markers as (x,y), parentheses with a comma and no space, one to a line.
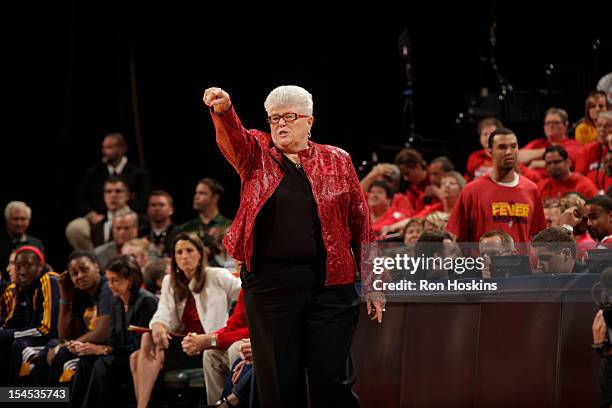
(213,340)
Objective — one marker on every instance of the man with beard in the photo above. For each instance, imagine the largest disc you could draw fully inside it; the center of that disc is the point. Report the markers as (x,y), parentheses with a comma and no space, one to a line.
(562,180)
(33,318)
(599,214)
(502,200)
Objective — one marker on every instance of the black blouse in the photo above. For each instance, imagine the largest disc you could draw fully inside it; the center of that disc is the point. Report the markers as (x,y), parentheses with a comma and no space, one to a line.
(287,228)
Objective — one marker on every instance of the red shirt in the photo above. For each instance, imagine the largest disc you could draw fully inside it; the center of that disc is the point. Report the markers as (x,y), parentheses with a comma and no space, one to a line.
(400,203)
(484,205)
(600,179)
(190,317)
(236,327)
(578,183)
(438,206)
(479,164)
(593,155)
(341,205)
(584,243)
(531,174)
(391,216)
(416,194)
(573,147)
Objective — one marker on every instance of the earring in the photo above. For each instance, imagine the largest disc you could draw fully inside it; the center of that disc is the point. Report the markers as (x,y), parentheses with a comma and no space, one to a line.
(309,135)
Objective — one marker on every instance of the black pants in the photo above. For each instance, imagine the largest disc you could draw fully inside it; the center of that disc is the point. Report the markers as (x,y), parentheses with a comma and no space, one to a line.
(11,358)
(101,381)
(301,329)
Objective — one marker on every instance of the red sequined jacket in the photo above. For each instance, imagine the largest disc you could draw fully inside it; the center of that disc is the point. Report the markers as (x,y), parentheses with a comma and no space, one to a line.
(341,205)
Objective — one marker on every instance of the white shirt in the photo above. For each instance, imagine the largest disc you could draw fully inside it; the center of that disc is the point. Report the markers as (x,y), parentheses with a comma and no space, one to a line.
(212,303)
(117,170)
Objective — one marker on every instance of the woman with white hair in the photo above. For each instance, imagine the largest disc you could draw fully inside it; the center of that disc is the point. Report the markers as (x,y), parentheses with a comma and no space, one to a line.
(302,212)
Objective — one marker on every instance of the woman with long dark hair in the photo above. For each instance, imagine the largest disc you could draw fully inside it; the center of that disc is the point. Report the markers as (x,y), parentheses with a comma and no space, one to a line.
(195,299)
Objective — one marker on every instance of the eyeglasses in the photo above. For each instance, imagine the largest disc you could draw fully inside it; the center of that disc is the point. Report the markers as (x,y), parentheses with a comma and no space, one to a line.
(287,117)
(553,162)
(553,123)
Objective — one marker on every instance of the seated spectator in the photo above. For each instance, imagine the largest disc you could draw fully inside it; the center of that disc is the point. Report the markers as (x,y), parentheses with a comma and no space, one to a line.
(221,348)
(391,174)
(552,213)
(594,153)
(125,228)
(574,214)
(206,199)
(84,316)
(380,195)
(17,215)
(434,244)
(480,162)
(32,319)
(556,251)
(240,389)
(562,180)
(84,236)
(414,172)
(602,177)
(599,213)
(103,368)
(90,205)
(586,130)
(139,249)
(450,188)
(194,299)
(494,243)
(555,129)
(154,274)
(159,229)
(219,256)
(413,230)
(9,291)
(438,167)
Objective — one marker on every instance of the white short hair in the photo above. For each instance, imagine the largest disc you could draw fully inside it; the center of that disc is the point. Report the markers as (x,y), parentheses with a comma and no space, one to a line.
(17,205)
(289,95)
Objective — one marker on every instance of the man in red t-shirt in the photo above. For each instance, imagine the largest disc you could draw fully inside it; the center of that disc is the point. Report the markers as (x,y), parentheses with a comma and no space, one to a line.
(562,180)
(555,129)
(602,177)
(503,200)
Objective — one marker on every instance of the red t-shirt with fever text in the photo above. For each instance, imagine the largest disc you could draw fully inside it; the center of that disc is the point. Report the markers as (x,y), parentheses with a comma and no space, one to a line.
(485,205)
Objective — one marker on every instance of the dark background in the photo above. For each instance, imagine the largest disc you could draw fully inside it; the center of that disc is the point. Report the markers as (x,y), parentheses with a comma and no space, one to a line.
(67,83)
